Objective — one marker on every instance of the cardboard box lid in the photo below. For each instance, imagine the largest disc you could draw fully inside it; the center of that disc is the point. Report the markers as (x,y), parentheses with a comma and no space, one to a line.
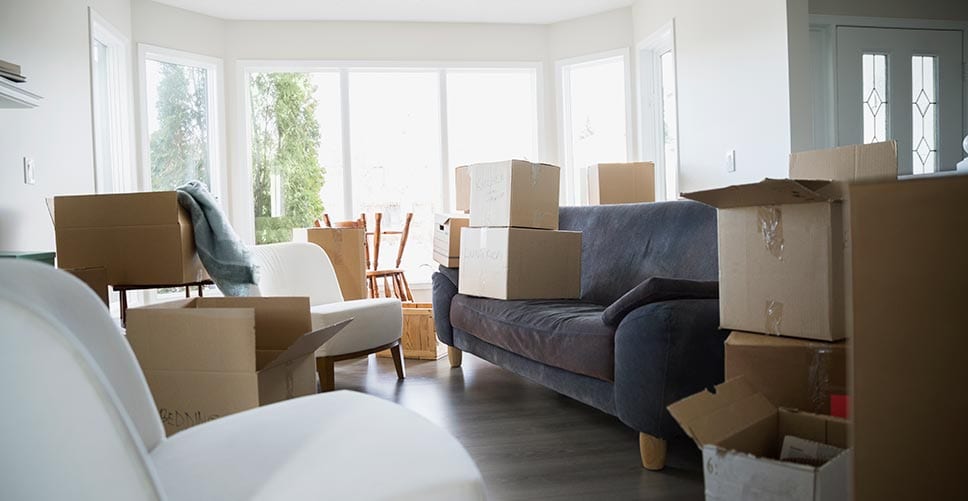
(307,344)
(766,192)
(443,219)
(709,418)
(120,209)
(858,162)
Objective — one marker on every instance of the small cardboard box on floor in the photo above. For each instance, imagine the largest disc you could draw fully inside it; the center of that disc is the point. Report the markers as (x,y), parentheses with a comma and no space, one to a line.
(447,238)
(783,247)
(347,252)
(514,193)
(210,357)
(753,450)
(795,373)
(621,183)
(138,238)
(520,263)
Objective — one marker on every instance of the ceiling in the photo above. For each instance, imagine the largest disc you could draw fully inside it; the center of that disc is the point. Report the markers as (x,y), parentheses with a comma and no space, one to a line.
(454,11)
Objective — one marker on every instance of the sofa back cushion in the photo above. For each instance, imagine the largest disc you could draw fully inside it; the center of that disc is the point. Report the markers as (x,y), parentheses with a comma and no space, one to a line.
(622,245)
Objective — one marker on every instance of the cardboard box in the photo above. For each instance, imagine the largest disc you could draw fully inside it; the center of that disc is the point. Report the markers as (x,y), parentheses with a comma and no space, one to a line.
(96,279)
(908,401)
(139,238)
(514,193)
(419,339)
(447,238)
(742,436)
(518,263)
(783,246)
(210,357)
(462,187)
(347,251)
(621,183)
(795,373)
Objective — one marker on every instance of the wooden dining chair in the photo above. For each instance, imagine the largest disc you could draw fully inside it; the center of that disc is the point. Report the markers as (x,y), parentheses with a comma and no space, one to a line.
(394,280)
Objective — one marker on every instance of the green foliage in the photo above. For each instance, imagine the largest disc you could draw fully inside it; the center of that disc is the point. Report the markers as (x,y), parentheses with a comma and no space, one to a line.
(285,140)
(179,148)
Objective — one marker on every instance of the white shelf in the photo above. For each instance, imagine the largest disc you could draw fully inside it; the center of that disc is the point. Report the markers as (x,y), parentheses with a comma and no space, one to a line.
(14,96)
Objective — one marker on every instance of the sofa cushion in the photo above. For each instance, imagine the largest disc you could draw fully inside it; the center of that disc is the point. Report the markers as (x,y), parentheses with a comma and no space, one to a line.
(568,335)
(624,244)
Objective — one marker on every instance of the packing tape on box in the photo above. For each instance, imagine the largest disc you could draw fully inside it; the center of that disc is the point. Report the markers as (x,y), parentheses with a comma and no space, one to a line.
(819,379)
(774,316)
(770,220)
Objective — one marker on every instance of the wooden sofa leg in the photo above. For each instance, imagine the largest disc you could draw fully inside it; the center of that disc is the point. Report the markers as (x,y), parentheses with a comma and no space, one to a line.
(455,356)
(327,379)
(653,451)
(397,355)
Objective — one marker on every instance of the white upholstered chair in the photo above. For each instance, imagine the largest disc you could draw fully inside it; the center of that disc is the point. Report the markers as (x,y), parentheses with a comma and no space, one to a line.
(304,269)
(79,423)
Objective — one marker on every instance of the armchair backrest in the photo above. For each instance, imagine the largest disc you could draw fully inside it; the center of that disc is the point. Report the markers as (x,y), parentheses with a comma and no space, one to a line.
(296,269)
(78,419)
(624,244)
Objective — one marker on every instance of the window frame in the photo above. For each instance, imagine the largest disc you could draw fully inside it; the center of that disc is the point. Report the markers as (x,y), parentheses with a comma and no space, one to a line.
(242,186)
(570,192)
(214,67)
(651,107)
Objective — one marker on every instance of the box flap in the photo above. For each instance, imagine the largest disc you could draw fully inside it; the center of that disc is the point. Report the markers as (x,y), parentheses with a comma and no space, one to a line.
(442,219)
(307,343)
(765,192)
(709,418)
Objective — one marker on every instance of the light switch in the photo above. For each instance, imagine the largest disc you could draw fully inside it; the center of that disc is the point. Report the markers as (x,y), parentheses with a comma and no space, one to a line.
(29,171)
(731,161)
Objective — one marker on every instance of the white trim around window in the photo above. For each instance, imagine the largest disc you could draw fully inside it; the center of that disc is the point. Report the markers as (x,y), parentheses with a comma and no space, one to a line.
(219,178)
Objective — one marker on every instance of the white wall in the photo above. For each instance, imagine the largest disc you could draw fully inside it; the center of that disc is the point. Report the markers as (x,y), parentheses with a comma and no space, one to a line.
(733,86)
(50,40)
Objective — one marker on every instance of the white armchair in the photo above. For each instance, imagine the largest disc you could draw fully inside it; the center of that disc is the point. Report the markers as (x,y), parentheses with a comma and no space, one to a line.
(304,269)
(79,422)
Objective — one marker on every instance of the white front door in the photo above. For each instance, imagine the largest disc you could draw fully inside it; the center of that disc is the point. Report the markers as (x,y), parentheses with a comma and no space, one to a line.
(906,85)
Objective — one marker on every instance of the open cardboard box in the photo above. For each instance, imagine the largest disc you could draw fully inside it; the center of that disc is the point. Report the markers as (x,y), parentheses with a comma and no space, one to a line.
(742,436)
(447,238)
(206,358)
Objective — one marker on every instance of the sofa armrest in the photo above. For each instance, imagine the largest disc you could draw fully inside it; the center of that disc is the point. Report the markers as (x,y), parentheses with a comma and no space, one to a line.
(451,274)
(664,352)
(444,290)
(657,289)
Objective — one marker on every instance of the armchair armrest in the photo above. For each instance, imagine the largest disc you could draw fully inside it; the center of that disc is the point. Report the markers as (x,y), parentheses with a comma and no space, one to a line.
(666,351)
(657,289)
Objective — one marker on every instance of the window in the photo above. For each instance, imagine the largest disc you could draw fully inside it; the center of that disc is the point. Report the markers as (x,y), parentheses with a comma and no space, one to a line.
(875,97)
(924,117)
(669,124)
(180,119)
(658,110)
(595,125)
(352,139)
(110,97)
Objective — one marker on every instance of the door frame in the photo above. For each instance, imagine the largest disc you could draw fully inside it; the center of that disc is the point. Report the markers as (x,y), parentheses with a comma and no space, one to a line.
(823,30)
(649,111)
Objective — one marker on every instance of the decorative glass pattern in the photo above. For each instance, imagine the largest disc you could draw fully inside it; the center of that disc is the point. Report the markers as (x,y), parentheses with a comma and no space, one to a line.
(874,98)
(924,114)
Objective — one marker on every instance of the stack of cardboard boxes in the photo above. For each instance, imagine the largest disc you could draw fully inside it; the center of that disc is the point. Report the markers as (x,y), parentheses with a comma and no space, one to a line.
(784,266)
(512,248)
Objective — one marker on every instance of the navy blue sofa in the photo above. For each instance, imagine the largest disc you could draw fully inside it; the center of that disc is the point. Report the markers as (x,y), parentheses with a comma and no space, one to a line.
(643,335)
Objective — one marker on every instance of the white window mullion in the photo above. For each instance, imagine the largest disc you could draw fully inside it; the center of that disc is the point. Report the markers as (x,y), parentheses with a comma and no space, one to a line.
(445,181)
(344,91)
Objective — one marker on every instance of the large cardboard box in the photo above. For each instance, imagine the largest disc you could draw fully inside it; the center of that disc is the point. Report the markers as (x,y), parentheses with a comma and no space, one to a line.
(910,271)
(783,246)
(210,357)
(138,238)
(747,452)
(346,249)
(621,183)
(517,263)
(796,373)
(462,187)
(514,193)
(447,238)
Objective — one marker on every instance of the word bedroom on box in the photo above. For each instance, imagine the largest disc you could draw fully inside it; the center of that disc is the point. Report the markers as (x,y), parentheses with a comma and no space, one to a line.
(433,250)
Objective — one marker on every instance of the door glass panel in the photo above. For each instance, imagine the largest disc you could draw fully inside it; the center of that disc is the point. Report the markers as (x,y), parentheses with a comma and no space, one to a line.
(875,97)
(670,140)
(924,116)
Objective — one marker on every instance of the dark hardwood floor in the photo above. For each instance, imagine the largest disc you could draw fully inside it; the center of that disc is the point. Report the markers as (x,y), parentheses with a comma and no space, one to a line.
(528,441)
